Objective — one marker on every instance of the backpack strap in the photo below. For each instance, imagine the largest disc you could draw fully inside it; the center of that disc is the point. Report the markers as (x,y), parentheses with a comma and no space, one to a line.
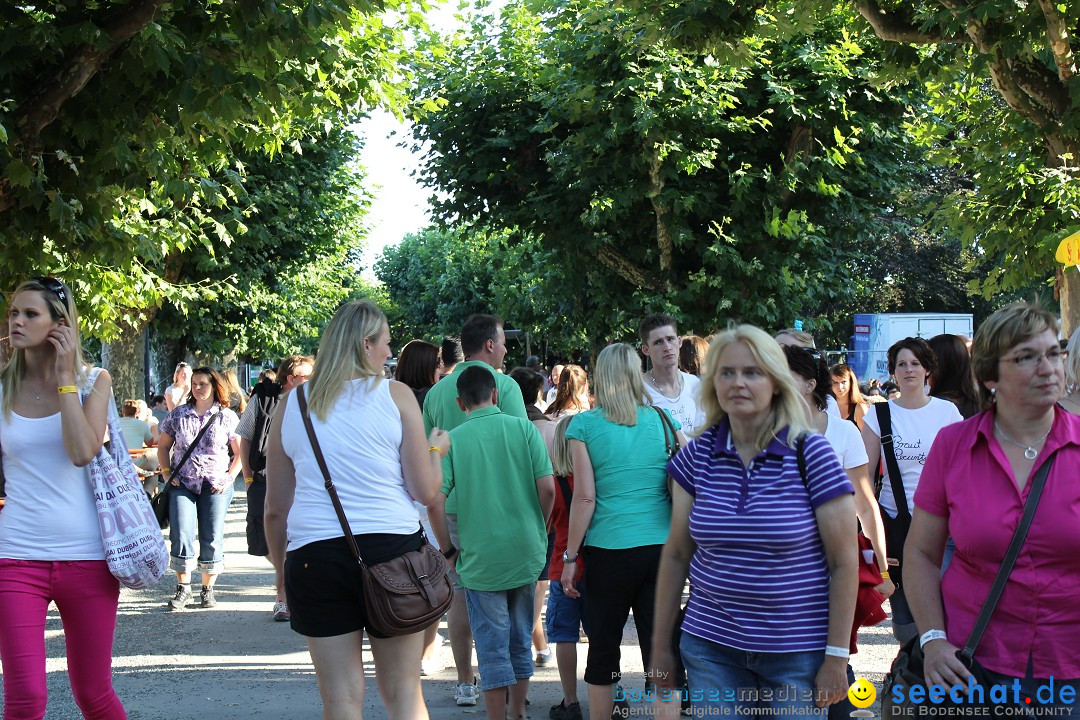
(884,417)
(564,487)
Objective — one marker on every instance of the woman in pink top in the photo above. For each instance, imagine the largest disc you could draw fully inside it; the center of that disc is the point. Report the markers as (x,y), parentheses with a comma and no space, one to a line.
(980,470)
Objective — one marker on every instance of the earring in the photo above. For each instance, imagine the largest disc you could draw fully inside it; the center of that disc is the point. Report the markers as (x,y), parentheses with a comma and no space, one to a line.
(993,394)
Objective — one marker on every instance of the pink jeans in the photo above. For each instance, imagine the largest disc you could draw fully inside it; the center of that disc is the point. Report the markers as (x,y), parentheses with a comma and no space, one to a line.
(86,595)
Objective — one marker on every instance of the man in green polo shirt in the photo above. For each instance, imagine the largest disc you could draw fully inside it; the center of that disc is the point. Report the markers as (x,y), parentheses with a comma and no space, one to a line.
(483,344)
(498,467)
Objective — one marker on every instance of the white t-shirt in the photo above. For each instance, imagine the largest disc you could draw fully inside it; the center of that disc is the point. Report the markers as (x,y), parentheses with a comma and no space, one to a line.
(832,408)
(49,512)
(847,442)
(913,434)
(361,442)
(686,408)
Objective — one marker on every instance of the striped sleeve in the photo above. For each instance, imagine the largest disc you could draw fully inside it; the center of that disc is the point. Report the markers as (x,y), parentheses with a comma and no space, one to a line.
(825,478)
(681,467)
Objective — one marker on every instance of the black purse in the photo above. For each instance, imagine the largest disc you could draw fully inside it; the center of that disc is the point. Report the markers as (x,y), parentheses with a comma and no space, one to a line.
(160,502)
(896,528)
(907,669)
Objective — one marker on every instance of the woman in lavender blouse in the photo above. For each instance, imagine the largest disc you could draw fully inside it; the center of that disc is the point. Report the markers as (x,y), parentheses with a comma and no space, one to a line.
(203,487)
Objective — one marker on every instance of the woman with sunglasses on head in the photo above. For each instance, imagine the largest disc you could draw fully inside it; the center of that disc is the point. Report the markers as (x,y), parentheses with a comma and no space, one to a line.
(974,487)
(177,393)
(51,548)
(915,418)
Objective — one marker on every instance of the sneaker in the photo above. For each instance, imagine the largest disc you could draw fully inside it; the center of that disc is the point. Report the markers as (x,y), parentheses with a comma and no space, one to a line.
(206,597)
(281,612)
(466,694)
(544,657)
(562,711)
(182,597)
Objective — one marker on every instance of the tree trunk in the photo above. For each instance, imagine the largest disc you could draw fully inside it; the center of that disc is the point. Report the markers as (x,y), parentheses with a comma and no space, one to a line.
(125,360)
(1068,289)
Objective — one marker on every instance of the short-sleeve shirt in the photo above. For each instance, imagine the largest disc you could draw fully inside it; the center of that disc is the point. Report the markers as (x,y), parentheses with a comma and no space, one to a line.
(441,409)
(968,481)
(493,465)
(633,506)
(686,408)
(136,432)
(846,441)
(209,462)
(913,434)
(759,581)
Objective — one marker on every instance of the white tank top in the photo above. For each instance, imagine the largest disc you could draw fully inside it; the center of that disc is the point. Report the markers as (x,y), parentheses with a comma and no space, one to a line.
(361,442)
(49,513)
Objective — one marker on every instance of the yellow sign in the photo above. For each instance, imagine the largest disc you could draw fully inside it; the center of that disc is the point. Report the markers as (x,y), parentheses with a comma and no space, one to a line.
(862,693)
(1068,252)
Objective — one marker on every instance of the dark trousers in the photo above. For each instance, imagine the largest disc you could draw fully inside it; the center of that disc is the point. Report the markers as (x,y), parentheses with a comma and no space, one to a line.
(616,582)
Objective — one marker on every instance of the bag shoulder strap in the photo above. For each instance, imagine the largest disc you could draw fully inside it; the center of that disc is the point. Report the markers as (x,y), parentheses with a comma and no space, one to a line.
(190,448)
(301,400)
(800,458)
(671,446)
(564,487)
(896,482)
(1010,560)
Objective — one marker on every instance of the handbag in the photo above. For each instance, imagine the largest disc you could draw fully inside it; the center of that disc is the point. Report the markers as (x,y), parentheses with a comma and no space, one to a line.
(135,551)
(896,528)
(160,502)
(405,594)
(907,669)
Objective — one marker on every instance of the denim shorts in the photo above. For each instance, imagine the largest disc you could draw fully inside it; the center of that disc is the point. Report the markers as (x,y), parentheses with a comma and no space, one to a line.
(502,622)
(742,682)
(565,615)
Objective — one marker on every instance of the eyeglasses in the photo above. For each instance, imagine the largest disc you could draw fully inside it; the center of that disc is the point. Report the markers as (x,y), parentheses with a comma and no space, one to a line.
(54,286)
(1030,361)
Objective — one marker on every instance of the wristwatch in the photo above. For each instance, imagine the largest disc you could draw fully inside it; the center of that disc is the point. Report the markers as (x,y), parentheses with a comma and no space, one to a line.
(567,559)
(450,553)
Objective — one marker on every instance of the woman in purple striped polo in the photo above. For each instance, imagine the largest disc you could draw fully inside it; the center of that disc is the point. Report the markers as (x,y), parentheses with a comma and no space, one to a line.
(771,556)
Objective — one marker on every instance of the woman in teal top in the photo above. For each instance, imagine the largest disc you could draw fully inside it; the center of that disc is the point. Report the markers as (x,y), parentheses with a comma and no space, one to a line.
(621,500)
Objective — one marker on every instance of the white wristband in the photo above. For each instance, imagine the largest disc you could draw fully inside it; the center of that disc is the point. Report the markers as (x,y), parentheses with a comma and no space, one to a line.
(931,635)
(837,651)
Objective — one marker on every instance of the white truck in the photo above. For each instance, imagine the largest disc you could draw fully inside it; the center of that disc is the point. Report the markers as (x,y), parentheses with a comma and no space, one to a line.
(876,332)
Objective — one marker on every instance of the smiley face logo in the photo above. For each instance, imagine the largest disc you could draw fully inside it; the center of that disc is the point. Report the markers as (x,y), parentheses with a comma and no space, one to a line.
(862,693)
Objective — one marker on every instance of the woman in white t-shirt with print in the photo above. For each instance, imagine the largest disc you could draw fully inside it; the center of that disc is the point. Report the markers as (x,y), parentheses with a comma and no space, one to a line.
(916,419)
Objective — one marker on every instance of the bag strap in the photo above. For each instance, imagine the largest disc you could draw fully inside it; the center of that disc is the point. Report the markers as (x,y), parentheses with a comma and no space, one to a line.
(175,472)
(896,482)
(671,446)
(302,400)
(800,458)
(567,493)
(1010,560)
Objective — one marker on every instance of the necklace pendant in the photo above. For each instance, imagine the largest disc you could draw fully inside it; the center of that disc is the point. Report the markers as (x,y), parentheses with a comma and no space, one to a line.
(1031,453)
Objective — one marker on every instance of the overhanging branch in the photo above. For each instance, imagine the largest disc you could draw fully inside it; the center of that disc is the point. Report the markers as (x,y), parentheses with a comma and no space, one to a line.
(892,27)
(1057,33)
(626,269)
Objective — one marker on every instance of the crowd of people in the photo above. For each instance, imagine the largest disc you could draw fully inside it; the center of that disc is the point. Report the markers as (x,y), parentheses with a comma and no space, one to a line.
(727,493)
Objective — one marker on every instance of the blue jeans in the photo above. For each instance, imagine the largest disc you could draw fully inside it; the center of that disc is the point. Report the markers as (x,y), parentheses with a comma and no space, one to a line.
(566,616)
(208,510)
(726,679)
(502,622)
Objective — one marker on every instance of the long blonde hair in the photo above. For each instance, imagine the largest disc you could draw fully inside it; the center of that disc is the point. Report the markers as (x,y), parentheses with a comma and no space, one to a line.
(561,461)
(15,369)
(618,384)
(788,409)
(341,354)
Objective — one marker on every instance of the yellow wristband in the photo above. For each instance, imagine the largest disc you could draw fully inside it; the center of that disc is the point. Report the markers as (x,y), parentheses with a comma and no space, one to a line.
(885,575)
(248,480)
(165,470)
(67,389)
(435,449)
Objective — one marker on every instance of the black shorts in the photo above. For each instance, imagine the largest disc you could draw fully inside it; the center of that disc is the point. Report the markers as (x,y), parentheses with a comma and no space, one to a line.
(323,585)
(256,533)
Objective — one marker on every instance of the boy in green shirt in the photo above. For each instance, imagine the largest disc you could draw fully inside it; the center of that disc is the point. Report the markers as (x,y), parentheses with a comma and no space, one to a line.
(499,470)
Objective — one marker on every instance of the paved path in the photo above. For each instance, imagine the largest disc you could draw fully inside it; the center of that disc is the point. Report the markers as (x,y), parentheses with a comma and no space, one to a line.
(234,662)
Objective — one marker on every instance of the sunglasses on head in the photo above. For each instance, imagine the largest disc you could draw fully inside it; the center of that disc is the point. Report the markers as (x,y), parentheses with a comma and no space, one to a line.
(54,286)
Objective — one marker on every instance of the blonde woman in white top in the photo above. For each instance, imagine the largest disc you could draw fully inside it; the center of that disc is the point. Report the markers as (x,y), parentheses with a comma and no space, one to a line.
(50,541)
(372,436)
